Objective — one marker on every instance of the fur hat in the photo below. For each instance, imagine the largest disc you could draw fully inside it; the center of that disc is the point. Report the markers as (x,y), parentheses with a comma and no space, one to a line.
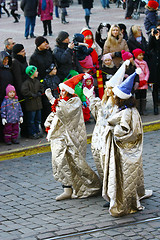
(126,55)
(17,48)
(123,91)
(153,4)
(137,51)
(30,70)
(10,88)
(117,78)
(70,84)
(39,40)
(106,56)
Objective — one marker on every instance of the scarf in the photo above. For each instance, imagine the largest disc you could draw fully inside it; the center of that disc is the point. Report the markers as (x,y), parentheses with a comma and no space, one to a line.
(44,4)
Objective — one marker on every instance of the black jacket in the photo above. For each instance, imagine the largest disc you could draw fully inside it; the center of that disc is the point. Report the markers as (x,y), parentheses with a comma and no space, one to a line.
(29,7)
(6,76)
(63,3)
(87,4)
(66,60)
(18,68)
(42,60)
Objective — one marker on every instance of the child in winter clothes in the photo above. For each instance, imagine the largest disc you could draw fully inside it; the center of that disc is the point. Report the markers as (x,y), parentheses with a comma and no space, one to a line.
(32,89)
(141,92)
(130,69)
(151,16)
(108,67)
(12,115)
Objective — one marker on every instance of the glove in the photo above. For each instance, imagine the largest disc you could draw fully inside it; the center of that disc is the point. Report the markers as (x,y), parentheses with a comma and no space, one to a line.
(142,83)
(21,119)
(51,14)
(88,92)
(39,94)
(49,96)
(117,54)
(84,104)
(100,27)
(34,95)
(4,121)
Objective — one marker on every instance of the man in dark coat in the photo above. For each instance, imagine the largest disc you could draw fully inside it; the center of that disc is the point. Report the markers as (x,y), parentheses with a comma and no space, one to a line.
(29,7)
(65,56)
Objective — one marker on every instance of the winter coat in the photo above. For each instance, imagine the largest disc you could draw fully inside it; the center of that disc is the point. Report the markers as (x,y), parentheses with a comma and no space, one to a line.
(63,3)
(11,110)
(6,76)
(29,7)
(82,52)
(30,88)
(52,82)
(108,72)
(18,68)
(68,139)
(42,60)
(154,61)
(144,76)
(122,45)
(46,14)
(87,4)
(14,4)
(133,44)
(150,20)
(63,58)
(56,3)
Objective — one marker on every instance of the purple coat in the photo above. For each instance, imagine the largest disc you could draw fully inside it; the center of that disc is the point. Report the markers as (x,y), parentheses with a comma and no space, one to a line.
(46,14)
(11,110)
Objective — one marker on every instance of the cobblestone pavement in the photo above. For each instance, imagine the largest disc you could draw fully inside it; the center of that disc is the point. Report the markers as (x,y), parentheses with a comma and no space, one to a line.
(28,209)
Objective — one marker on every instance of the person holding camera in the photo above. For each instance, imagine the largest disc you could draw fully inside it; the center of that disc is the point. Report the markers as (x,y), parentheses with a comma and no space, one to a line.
(114,44)
(151,16)
(154,65)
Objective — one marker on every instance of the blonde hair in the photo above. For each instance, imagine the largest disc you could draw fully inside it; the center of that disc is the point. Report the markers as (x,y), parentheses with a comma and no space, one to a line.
(135,29)
(106,97)
(111,40)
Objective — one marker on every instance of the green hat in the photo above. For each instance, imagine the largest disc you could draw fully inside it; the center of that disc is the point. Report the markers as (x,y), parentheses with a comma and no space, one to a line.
(30,70)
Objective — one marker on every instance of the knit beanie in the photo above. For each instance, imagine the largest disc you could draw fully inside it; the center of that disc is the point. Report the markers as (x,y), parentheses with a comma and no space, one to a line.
(30,70)
(126,55)
(10,88)
(62,36)
(137,51)
(17,48)
(106,56)
(48,70)
(153,4)
(39,40)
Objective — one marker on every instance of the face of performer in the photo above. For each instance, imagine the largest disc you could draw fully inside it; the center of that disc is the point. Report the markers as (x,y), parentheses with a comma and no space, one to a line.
(63,93)
(88,82)
(115,31)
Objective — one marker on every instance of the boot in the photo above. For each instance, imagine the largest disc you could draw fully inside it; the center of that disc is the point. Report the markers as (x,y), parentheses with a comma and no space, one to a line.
(65,195)
(63,18)
(143,104)
(138,105)
(156,112)
(87,21)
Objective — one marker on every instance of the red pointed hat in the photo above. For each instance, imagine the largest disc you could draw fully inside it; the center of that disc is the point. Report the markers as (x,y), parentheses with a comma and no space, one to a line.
(70,84)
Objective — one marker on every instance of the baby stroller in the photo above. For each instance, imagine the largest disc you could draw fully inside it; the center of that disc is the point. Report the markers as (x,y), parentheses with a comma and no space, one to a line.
(139,9)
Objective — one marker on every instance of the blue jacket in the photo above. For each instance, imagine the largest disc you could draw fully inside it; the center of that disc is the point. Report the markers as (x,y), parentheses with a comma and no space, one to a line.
(150,20)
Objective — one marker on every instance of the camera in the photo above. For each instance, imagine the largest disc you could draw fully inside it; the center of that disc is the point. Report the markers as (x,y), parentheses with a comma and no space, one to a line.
(155,31)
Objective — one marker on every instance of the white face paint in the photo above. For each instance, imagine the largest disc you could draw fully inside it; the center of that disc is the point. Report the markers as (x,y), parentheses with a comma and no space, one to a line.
(63,93)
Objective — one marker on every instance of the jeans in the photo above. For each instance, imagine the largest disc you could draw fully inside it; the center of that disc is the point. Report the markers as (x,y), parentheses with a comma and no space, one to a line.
(34,120)
(105,3)
(56,12)
(87,11)
(29,26)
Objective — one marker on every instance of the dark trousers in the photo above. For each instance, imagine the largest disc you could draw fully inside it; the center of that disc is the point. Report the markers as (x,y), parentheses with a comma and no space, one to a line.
(11,131)
(15,15)
(34,120)
(141,94)
(47,25)
(155,94)
(5,9)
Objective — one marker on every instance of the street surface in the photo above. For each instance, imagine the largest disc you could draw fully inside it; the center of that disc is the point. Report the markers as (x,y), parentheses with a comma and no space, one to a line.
(28,209)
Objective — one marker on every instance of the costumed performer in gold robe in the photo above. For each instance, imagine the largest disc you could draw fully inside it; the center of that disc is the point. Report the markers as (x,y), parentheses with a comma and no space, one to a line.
(67,135)
(123,182)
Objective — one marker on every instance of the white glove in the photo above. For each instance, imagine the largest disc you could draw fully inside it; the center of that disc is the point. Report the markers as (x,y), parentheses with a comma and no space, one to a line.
(88,92)
(21,119)
(49,95)
(4,121)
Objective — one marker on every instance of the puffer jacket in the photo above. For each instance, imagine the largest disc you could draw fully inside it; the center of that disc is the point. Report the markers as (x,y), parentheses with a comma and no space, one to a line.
(29,89)
(150,20)
(46,14)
